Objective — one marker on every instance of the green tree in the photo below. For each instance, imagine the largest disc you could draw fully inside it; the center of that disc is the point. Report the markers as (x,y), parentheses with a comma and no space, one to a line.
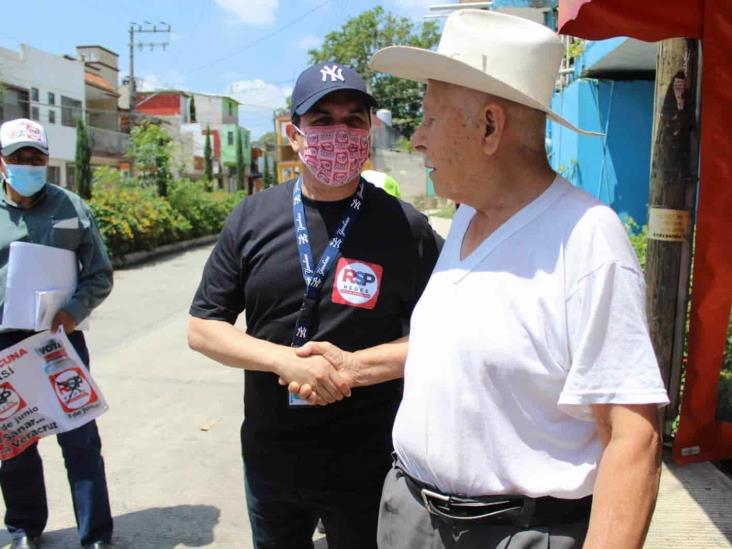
(361,37)
(192,109)
(82,162)
(151,150)
(266,175)
(208,157)
(268,139)
(239,160)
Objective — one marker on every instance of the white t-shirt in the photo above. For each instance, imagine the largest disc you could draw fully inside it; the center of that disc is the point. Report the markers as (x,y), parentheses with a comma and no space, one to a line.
(510,347)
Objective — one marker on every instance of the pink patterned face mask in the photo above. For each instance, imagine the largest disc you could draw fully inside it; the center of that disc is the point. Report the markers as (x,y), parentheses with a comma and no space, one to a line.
(335,155)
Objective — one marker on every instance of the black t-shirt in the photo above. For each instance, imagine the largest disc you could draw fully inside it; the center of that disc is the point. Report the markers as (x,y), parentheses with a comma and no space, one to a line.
(382,269)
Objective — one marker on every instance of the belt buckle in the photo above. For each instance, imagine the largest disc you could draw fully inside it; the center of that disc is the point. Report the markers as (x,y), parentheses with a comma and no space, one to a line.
(524,516)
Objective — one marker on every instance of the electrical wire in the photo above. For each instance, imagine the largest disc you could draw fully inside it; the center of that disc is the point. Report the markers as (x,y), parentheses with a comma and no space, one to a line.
(259,40)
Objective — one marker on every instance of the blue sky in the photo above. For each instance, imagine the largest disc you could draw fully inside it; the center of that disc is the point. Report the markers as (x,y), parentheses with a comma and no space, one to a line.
(216,46)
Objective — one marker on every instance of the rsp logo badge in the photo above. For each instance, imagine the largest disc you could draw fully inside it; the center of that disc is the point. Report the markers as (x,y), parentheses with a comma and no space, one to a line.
(357,283)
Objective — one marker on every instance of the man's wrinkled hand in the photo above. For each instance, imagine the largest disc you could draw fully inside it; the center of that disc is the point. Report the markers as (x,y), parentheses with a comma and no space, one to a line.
(324,384)
(64,319)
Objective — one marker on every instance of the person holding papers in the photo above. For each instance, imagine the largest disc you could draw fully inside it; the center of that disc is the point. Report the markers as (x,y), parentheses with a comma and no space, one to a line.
(37,212)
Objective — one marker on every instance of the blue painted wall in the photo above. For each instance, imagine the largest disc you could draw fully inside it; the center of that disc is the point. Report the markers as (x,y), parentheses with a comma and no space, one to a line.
(549,20)
(614,168)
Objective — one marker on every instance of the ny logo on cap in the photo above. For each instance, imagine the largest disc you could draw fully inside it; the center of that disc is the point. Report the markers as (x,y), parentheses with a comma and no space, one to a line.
(335,73)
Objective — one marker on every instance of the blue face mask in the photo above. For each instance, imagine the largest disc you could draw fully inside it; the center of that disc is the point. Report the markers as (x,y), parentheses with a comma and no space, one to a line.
(26,180)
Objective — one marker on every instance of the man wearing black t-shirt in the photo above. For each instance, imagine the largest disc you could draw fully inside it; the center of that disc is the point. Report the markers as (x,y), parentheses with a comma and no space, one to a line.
(327,258)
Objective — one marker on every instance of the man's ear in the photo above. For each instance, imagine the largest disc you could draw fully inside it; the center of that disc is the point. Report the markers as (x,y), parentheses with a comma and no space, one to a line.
(295,139)
(494,123)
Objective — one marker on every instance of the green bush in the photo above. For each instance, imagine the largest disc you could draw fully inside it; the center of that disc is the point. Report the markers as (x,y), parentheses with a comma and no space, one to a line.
(132,220)
(638,238)
(206,211)
(724,396)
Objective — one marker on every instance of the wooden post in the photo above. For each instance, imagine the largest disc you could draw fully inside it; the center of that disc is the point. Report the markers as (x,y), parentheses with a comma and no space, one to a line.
(673,184)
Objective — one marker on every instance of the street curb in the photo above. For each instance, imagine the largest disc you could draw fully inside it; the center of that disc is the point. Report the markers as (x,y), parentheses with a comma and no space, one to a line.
(135,258)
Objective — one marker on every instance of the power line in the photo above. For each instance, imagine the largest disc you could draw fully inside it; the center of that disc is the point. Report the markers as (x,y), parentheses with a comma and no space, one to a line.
(260,39)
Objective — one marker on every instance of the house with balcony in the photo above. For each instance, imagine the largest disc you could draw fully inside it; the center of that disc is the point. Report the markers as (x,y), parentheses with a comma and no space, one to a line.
(220,113)
(106,123)
(50,89)
(187,117)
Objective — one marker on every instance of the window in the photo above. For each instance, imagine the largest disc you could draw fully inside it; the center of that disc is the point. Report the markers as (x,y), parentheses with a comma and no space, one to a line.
(14,104)
(51,116)
(51,98)
(34,113)
(54,175)
(70,176)
(230,138)
(34,94)
(230,107)
(70,111)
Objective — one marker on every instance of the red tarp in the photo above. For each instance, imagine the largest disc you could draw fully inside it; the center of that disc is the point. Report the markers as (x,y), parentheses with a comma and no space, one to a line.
(649,20)
(700,436)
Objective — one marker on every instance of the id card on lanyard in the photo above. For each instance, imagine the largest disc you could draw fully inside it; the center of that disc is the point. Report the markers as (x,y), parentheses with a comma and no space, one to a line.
(315,275)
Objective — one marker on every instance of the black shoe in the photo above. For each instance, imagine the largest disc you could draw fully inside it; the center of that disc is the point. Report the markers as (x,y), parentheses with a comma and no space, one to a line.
(98,545)
(25,542)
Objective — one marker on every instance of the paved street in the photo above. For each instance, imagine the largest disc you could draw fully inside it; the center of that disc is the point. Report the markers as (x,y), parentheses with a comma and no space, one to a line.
(171,435)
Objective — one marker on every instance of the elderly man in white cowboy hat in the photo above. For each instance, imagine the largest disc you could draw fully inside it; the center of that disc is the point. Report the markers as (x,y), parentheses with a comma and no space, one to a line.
(529,416)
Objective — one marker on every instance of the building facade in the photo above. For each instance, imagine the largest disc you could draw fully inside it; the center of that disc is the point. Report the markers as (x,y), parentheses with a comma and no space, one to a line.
(105,121)
(187,117)
(51,90)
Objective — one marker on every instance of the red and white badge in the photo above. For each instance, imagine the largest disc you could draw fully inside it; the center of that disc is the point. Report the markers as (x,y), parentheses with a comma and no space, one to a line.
(357,283)
(10,401)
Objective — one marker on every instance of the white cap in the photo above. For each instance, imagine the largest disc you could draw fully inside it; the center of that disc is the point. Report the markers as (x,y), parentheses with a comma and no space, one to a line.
(21,132)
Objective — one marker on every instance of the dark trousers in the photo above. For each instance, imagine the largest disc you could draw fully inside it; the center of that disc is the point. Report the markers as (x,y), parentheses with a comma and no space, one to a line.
(23,487)
(284,506)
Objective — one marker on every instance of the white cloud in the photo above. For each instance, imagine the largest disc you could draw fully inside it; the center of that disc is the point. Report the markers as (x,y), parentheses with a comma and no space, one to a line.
(258,96)
(171,79)
(251,12)
(149,82)
(309,42)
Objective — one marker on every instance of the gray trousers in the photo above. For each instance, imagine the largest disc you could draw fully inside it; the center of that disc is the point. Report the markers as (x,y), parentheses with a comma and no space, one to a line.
(404,523)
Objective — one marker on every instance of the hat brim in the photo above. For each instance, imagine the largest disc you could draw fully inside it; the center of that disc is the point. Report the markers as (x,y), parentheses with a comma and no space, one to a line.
(422,65)
(10,149)
(308,104)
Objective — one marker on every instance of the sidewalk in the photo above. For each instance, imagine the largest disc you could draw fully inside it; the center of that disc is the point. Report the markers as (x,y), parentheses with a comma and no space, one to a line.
(694,508)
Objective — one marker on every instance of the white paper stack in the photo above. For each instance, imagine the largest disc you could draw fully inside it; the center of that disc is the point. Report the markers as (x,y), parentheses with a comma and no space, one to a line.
(41,279)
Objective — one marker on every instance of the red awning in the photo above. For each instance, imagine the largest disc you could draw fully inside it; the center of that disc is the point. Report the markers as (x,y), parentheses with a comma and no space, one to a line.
(648,20)
(701,435)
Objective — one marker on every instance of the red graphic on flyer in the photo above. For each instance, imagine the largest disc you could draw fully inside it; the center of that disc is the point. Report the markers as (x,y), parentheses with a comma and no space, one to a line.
(10,401)
(72,388)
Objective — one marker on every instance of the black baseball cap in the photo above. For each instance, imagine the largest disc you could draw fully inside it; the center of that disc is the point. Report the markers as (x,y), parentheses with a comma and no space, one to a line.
(317,81)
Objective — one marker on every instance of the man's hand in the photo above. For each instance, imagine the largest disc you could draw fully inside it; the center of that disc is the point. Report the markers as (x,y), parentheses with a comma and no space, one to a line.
(324,383)
(64,319)
(342,361)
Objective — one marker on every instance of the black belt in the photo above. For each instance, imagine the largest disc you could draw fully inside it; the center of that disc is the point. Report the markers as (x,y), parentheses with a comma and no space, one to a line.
(516,510)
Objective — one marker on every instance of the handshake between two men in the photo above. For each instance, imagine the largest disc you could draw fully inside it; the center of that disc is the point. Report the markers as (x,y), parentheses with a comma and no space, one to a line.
(321,373)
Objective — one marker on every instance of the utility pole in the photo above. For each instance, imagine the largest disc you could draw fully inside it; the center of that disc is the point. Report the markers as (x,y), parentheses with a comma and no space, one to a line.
(673,187)
(134,28)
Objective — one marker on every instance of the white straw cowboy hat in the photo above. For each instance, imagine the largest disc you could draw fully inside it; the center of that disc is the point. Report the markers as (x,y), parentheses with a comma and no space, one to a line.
(499,54)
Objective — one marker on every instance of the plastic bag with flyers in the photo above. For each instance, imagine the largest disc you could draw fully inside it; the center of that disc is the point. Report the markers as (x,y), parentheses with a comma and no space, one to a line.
(45,389)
